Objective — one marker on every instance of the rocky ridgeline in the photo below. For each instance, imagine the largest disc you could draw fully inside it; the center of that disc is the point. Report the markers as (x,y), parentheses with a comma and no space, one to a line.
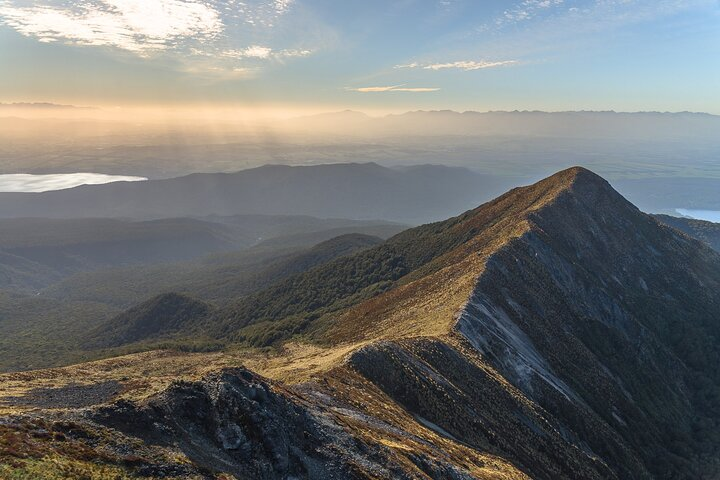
(554,333)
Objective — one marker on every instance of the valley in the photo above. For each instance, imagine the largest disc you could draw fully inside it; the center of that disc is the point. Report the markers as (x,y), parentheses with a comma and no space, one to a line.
(77,274)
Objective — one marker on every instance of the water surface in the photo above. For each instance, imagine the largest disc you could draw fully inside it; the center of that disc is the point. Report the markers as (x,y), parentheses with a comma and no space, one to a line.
(709,215)
(25,182)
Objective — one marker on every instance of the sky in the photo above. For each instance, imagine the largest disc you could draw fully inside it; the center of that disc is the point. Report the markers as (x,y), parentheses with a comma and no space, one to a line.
(369,55)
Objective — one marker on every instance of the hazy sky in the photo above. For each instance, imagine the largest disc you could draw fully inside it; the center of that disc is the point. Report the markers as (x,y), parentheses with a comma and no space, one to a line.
(374,55)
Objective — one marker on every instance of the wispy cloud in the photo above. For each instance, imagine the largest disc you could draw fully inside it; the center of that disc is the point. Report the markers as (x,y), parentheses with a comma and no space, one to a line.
(528,9)
(467,65)
(208,38)
(135,25)
(393,88)
(264,53)
(282,6)
(253,51)
(593,14)
(538,27)
(257,13)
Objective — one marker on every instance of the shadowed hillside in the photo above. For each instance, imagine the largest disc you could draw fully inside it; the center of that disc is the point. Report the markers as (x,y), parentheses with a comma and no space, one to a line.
(359,191)
(38,252)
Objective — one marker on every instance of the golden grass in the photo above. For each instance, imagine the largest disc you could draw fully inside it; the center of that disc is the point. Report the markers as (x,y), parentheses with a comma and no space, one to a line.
(427,306)
(60,468)
(424,305)
(140,375)
(415,438)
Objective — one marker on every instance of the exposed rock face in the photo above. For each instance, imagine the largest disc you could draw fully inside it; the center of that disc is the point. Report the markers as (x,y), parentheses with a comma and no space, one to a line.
(233,421)
(466,402)
(236,422)
(582,314)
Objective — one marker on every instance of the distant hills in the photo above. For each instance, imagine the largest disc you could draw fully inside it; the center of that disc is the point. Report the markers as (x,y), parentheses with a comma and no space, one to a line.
(170,313)
(707,232)
(60,279)
(37,252)
(361,191)
(414,194)
(571,124)
(83,244)
(219,278)
(40,106)
(520,144)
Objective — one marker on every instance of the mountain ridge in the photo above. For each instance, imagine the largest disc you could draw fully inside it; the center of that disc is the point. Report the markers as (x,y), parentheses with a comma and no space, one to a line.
(565,124)
(556,332)
(359,191)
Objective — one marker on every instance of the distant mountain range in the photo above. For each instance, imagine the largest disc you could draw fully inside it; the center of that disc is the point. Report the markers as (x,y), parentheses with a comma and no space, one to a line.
(529,145)
(572,124)
(702,230)
(41,106)
(413,194)
(556,332)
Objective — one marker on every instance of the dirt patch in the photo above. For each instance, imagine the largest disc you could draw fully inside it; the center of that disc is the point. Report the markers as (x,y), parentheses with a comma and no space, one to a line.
(73,395)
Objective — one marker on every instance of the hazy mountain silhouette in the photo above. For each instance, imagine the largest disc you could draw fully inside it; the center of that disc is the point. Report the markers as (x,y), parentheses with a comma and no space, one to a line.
(358,191)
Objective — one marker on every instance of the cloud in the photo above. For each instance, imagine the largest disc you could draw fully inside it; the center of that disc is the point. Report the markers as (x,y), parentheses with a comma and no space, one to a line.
(138,26)
(416,90)
(467,65)
(253,51)
(264,53)
(44,183)
(590,14)
(282,6)
(255,13)
(527,9)
(395,88)
(205,38)
(542,27)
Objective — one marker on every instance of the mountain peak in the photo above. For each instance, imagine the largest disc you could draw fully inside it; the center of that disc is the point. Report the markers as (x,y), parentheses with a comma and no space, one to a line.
(577,176)
(587,188)
(584,186)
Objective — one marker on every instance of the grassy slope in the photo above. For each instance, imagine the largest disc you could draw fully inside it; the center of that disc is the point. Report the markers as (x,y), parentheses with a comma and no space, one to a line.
(415,259)
(53,329)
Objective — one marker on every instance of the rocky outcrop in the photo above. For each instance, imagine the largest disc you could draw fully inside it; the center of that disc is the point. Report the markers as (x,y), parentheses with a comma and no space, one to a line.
(237,422)
(233,421)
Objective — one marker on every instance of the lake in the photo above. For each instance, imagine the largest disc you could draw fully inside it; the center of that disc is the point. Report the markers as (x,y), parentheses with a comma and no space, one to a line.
(709,215)
(25,182)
